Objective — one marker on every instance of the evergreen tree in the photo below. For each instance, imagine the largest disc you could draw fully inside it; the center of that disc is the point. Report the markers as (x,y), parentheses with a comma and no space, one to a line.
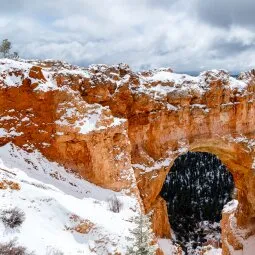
(142,237)
(5,47)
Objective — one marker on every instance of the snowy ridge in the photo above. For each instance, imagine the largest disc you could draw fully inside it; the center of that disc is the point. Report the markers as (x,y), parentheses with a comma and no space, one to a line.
(57,200)
(7,72)
(158,82)
(164,75)
(87,117)
(13,73)
(162,81)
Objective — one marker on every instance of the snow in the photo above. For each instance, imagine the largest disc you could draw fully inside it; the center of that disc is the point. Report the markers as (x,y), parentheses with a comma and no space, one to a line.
(166,76)
(237,84)
(11,133)
(156,166)
(59,133)
(249,246)
(91,126)
(171,107)
(253,164)
(46,86)
(240,234)
(230,206)
(12,65)
(95,118)
(158,84)
(201,106)
(213,251)
(50,196)
(162,89)
(11,79)
(25,119)
(80,72)
(89,122)
(3,132)
(7,118)
(168,82)
(249,142)
(167,246)
(9,66)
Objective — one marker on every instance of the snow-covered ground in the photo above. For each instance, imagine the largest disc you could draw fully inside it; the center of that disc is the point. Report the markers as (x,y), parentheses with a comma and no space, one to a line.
(249,246)
(55,202)
(167,246)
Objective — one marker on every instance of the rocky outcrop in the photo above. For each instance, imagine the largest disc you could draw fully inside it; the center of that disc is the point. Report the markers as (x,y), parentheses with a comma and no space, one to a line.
(120,129)
(86,138)
(160,220)
(234,237)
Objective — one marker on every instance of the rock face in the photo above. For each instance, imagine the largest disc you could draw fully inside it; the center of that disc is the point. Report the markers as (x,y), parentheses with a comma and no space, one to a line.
(120,129)
(36,113)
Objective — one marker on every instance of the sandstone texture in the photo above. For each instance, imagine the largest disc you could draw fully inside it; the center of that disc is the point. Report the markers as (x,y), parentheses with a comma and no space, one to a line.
(121,129)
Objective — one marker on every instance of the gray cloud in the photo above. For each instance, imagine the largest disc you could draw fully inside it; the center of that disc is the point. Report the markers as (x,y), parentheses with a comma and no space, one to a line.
(227,12)
(11,6)
(185,35)
(225,49)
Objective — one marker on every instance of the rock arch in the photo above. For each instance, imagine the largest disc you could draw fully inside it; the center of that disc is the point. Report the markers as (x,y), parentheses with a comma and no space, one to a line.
(232,153)
(142,122)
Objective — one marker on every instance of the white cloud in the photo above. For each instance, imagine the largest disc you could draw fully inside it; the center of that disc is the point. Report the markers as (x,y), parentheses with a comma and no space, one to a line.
(141,33)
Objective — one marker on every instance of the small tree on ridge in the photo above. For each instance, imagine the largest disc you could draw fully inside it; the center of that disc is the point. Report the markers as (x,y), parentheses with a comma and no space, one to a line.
(5,47)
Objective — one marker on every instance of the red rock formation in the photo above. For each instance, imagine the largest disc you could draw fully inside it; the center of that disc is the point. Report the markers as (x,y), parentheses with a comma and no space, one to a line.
(49,118)
(101,121)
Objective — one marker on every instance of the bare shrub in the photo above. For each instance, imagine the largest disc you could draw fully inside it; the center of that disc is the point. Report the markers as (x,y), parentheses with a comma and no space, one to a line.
(11,248)
(12,218)
(115,204)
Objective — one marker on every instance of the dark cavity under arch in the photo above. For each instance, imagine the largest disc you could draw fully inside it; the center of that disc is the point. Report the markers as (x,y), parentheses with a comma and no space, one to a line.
(196,189)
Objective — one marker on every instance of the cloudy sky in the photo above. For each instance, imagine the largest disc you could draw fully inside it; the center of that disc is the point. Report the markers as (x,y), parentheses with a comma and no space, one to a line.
(186,35)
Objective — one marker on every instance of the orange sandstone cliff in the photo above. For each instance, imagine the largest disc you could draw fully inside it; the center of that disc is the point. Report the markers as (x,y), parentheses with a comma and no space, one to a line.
(121,129)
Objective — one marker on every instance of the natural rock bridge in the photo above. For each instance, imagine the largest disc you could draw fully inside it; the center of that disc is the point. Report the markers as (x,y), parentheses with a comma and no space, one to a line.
(121,129)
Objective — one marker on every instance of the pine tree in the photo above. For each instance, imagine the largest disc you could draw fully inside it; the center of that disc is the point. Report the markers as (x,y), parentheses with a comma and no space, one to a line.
(142,237)
(5,47)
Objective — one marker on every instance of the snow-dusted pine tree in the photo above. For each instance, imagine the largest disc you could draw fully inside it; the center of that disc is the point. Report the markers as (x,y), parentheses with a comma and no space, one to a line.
(142,237)
(5,47)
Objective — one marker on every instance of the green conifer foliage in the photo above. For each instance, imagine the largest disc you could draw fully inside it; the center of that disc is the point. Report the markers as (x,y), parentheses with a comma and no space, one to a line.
(141,237)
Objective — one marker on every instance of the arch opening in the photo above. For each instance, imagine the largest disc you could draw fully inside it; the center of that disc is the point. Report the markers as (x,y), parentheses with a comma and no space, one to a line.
(196,189)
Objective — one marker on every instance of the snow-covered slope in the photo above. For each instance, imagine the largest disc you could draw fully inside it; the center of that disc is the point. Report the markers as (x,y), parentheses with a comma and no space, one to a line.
(56,203)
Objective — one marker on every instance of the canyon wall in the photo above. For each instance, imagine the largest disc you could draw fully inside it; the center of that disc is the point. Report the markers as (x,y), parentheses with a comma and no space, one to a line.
(122,130)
